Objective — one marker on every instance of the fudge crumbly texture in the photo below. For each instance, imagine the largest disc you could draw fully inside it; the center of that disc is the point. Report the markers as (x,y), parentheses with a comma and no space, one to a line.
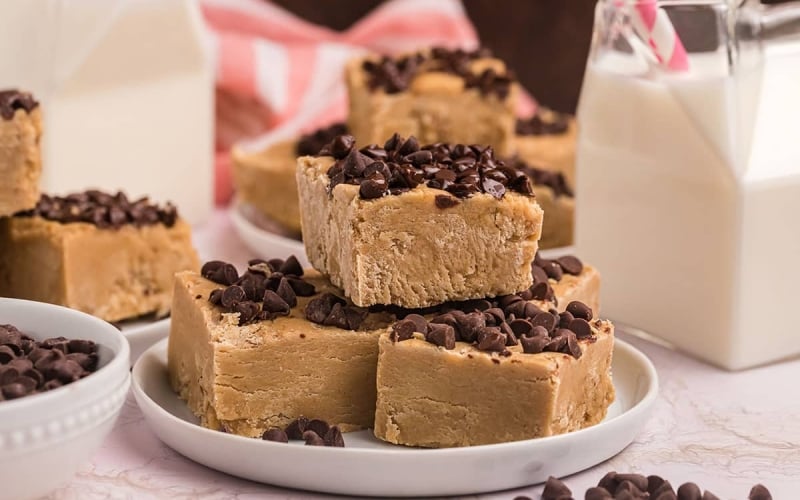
(430,101)
(247,379)
(20,156)
(111,273)
(432,397)
(266,180)
(550,142)
(405,250)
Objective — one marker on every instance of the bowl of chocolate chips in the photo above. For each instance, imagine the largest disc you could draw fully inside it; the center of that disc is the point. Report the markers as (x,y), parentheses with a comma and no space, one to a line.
(63,380)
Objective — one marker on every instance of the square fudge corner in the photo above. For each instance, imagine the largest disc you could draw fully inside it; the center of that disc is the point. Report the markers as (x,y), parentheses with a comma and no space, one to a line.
(415,246)
(20,155)
(437,95)
(433,396)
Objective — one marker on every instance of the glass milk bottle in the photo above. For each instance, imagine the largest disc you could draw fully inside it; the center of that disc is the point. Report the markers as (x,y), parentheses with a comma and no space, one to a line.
(688,173)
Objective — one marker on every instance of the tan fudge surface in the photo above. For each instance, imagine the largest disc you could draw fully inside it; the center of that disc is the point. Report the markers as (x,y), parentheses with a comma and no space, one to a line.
(247,379)
(20,161)
(403,250)
(435,108)
(114,274)
(435,398)
(559,217)
(554,152)
(584,287)
(266,180)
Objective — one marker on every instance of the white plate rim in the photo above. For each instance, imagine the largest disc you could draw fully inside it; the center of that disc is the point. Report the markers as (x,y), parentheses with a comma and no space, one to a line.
(259,240)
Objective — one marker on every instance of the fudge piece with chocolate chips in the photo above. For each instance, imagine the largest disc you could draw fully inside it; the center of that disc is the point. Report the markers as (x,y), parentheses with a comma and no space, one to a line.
(20,157)
(506,373)
(417,226)
(95,252)
(266,179)
(255,351)
(557,201)
(437,95)
(548,139)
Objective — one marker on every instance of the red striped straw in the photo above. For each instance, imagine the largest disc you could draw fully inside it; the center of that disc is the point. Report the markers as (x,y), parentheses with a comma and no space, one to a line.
(653,24)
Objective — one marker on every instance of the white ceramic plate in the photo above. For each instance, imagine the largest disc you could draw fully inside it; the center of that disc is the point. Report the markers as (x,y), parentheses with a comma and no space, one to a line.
(370,467)
(142,333)
(262,237)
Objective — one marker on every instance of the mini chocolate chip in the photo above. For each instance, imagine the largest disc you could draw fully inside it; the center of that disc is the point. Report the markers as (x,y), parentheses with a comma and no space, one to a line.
(249,311)
(638,480)
(275,434)
(231,295)
(545,320)
(581,328)
(220,272)
(470,325)
(759,492)
(656,483)
(664,495)
(521,327)
(491,339)
(707,495)
(534,345)
(87,361)
(570,264)
(373,188)
(341,146)
(14,390)
(334,437)
(52,384)
(301,287)
(319,426)
(572,347)
(403,330)
(555,489)
(420,323)
(297,427)
(689,491)
(540,291)
(7,354)
(538,274)
(553,270)
(442,336)
(598,493)
(59,343)
(336,317)
(286,292)
(564,319)
(312,439)
(445,201)
(579,310)
(291,266)
(609,481)
(273,303)
(312,143)
(215,297)
(355,316)
(65,370)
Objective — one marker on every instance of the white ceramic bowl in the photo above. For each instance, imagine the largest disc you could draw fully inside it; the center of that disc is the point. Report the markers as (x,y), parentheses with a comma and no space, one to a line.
(45,438)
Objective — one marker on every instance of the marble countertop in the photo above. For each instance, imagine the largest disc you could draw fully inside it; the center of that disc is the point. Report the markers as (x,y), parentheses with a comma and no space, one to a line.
(724,431)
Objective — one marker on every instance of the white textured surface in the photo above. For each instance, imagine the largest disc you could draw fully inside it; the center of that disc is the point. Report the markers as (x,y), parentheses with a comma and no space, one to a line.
(725,431)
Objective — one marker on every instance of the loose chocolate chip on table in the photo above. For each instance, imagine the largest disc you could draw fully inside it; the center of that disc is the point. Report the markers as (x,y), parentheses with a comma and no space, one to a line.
(598,493)
(707,495)
(275,434)
(313,439)
(689,491)
(759,492)
(555,489)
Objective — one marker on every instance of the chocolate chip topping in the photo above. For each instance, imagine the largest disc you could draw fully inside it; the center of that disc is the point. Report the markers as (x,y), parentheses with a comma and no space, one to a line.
(28,366)
(547,123)
(555,489)
(759,492)
(543,270)
(314,432)
(12,100)
(104,210)
(267,289)
(394,74)
(402,165)
(330,310)
(311,143)
(543,177)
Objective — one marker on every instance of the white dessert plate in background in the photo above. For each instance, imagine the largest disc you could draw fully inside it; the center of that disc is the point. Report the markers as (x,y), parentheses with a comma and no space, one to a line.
(261,236)
(142,333)
(369,467)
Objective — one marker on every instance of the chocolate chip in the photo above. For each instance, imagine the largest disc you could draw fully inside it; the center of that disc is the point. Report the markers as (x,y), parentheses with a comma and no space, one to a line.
(249,312)
(312,143)
(597,493)
(419,322)
(403,330)
(13,100)
(334,437)
(297,427)
(312,439)
(638,480)
(336,317)
(231,295)
(707,495)
(545,320)
(219,272)
(442,336)
(341,146)
(657,484)
(521,327)
(540,291)
(555,489)
(579,310)
(445,201)
(534,345)
(689,491)
(301,287)
(7,354)
(759,492)
(320,427)
(570,264)
(286,292)
(275,434)
(491,339)
(273,303)
(14,390)
(581,328)
(555,124)
(373,188)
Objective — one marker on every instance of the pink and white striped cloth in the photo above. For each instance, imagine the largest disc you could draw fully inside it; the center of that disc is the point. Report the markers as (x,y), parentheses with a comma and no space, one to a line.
(278,75)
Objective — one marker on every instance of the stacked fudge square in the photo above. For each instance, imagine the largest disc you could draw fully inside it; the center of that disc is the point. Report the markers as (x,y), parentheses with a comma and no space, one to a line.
(436,95)
(96,252)
(428,315)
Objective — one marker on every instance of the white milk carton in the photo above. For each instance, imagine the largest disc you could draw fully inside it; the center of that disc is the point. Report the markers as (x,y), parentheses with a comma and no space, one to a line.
(688,186)
(126,88)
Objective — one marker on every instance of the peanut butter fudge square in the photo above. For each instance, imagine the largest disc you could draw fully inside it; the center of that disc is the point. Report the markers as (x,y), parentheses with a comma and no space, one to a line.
(417,226)
(96,252)
(507,373)
(437,95)
(548,139)
(557,201)
(257,351)
(20,157)
(266,180)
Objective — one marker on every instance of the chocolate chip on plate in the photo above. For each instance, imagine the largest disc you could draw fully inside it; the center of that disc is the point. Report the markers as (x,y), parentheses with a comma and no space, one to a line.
(275,434)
